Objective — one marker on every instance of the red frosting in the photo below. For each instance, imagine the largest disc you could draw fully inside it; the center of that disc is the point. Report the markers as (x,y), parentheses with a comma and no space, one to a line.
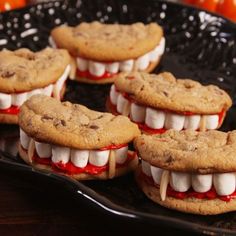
(210,195)
(70,168)
(86,74)
(13,110)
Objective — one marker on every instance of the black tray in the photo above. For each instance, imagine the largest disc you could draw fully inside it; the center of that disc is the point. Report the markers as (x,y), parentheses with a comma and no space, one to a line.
(199,45)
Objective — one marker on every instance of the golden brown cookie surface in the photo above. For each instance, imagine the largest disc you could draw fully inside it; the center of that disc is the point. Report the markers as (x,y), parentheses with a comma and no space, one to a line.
(108,42)
(164,91)
(23,70)
(73,125)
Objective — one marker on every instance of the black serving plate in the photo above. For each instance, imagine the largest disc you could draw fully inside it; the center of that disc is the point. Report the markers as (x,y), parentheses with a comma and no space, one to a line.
(200,46)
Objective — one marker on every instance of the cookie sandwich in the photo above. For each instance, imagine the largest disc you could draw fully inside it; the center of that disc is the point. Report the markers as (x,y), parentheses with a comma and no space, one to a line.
(101,51)
(24,73)
(74,140)
(189,171)
(161,102)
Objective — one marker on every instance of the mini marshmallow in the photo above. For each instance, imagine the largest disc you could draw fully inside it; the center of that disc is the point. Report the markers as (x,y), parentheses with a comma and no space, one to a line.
(79,157)
(99,158)
(161,47)
(180,182)
(18,99)
(122,104)
(43,150)
(156,174)
(146,168)
(82,64)
(96,68)
(224,183)
(112,67)
(5,100)
(192,122)
(126,66)
(34,92)
(212,121)
(60,154)
(201,183)
(137,113)
(157,51)
(174,121)
(48,90)
(142,62)
(121,155)
(24,139)
(155,119)
(114,95)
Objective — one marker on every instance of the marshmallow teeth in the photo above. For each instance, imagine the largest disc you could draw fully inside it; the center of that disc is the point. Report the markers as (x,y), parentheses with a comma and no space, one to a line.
(174,121)
(96,68)
(156,174)
(43,150)
(24,139)
(155,119)
(201,183)
(224,183)
(212,121)
(5,101)
(123,105)
(112,67)
(127,66)
(192,122)
(79,157)
(18,99)
(180,182)
(99,158)
(121,155)
(142,62)
(138,113)
(82,64)
(114,95)
(60,154)
(146,168)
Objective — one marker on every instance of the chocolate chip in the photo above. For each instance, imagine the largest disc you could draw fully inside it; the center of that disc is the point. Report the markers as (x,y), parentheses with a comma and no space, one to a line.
(93,127)
(169,160)
(46,117)
(165,93)
(7,74)
(63,122)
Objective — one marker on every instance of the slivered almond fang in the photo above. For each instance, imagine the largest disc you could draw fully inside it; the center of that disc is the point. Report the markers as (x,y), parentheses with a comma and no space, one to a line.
(112,164)
(126,110)
(164,183)
(203,123)
(31,150)
(73,68)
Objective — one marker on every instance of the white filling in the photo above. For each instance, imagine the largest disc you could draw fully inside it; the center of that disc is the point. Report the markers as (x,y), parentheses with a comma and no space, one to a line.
(180,182)
(17,99)
(99,158)
(141,63)
(114,95)
(43,150)
(24,139)
(60,154)
(224,183)
(174,121)
(137,112)
(121,155)
(122,104)
(79,157)
(146,168)
(156,174)
(5,101)
(155,119)
(212,121)
(192,122)
(158,119)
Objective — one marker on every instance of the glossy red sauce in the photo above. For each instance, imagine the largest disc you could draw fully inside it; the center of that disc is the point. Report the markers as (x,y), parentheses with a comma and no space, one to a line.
(13,110)
(70,168)
(210,195)
(86,74)
(149,130)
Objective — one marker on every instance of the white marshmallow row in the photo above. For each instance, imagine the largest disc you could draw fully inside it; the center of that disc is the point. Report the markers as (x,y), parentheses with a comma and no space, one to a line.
(8,100)
(80,158)
(224,183)
(158,119)
(99,68)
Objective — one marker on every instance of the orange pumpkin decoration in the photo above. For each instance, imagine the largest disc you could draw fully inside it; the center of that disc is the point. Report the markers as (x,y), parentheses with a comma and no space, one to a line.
(6,5)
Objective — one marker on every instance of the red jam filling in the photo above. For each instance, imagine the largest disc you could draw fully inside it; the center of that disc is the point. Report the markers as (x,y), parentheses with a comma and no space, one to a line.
(210,195)
(70,168)
(86,74)
(13,110)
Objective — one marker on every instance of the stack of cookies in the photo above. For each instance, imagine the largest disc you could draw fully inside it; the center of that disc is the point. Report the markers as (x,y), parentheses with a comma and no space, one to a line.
(185,164)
